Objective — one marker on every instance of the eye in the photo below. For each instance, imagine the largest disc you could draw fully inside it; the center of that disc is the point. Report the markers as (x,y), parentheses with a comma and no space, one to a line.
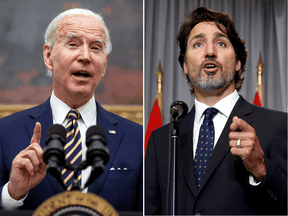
(197,45)
(95,48)
(72,44)
(221,44)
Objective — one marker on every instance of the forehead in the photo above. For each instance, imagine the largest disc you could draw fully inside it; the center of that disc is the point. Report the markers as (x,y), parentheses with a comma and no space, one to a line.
(79,22)
(207,28)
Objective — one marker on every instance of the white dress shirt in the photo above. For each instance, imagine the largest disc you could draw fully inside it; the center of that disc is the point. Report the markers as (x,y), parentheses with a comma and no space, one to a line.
(59,113)
(225,107)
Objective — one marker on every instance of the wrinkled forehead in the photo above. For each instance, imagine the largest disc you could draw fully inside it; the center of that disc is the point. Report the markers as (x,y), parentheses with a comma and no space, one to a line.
(202,26)
(77,23)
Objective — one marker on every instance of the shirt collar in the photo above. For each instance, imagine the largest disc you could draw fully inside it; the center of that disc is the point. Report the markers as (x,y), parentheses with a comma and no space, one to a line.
(225,105)
(60,110)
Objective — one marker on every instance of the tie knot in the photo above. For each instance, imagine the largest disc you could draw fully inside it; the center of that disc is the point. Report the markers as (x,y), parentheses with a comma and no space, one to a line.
(73,114)
(210,113)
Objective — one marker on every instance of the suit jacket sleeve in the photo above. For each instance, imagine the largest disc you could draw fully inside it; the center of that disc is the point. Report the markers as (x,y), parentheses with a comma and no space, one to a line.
(152,194)
(272,192)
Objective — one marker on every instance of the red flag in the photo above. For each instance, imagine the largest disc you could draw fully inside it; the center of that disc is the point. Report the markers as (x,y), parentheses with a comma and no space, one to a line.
(155,121)
(257,99)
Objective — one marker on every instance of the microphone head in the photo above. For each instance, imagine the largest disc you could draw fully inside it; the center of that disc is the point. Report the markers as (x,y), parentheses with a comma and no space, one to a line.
(95,132)
(178,109)
(56,129)
(55,141)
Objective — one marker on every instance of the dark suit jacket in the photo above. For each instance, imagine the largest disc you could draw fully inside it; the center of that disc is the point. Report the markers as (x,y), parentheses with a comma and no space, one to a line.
(123,189)
(225,188)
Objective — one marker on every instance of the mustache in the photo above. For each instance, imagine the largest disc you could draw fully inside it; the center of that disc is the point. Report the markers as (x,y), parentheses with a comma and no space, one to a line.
(211,59)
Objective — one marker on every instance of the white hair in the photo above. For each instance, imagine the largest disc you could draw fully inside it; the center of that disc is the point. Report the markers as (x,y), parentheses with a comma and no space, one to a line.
(50,34)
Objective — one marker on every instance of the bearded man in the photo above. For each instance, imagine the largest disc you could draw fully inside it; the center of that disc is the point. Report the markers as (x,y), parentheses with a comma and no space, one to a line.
(231,155)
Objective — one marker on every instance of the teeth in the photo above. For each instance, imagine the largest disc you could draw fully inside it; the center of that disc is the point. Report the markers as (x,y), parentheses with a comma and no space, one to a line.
(80,73)
(210,66)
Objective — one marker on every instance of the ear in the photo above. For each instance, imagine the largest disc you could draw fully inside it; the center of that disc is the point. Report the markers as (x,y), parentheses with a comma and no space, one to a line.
(185,69)
(47,53)
(105,65)
(238,65)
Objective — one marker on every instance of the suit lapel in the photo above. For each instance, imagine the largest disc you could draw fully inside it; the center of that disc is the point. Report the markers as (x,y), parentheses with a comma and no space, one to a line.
(241,109)
(43,114)
(186,150)
(114,136)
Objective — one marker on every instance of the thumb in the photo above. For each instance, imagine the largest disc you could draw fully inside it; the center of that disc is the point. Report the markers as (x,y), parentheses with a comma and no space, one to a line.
(240,125)
(36,134)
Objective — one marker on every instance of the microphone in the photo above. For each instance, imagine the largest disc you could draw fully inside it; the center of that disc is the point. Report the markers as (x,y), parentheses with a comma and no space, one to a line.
(178,109)
(54,154)
(97,153)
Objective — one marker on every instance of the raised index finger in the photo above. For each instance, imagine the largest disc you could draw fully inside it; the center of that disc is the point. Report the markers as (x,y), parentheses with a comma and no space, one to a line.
(36,134)
(240,125)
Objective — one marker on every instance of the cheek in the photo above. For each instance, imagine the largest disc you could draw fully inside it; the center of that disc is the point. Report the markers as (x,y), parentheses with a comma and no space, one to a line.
(194,66)
(63,60)
(230,61)
(190,62)
(100,65)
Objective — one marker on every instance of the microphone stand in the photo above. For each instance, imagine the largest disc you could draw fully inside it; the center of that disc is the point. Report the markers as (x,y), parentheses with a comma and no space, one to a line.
(97,155)
(174,135)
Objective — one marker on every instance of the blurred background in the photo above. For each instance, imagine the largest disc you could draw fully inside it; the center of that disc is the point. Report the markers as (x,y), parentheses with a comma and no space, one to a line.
(261,23)
(23,75)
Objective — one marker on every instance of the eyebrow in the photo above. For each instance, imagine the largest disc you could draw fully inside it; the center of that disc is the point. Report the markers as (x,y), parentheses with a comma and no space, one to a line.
(201,35)
(77,36)
(220,35)
(216,35)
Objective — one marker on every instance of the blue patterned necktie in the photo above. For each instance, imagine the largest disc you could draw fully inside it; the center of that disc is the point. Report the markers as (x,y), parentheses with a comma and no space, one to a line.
(73,148)
(205,144)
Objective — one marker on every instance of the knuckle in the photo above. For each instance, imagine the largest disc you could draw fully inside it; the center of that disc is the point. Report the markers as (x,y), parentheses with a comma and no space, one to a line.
(247,152)
(230,143)
(230,135)
(252,135)
(252,143)
(25,162)
(29,154)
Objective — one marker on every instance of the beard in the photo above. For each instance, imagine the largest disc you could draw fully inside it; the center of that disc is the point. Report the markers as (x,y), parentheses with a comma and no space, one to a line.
(211,83)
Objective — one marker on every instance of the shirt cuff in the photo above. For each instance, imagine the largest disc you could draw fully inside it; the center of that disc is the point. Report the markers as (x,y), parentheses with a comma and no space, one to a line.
(7,202)
(252,181)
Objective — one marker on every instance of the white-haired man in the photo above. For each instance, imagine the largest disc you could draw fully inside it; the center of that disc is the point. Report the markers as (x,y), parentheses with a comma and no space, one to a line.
(77,45)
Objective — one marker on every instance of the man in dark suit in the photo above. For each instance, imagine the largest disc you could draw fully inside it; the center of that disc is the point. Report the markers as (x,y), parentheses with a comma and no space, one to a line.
(231,155)
(77,45)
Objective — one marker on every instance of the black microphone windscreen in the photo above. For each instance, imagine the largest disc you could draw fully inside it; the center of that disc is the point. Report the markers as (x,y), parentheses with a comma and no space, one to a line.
(56,129)
(178,109)
(95,130)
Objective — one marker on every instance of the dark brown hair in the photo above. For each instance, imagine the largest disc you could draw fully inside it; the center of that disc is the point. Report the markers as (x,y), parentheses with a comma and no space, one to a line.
(203,14)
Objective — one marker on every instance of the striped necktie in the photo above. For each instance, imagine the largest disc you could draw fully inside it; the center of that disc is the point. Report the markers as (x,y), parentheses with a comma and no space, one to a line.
(73,148)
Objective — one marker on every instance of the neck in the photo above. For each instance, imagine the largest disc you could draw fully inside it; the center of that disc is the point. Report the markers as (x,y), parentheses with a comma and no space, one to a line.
(74,101)
(212,97)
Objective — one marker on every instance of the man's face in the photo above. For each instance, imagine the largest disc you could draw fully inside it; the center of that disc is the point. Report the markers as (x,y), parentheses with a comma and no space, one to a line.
(78,59)
(210,58)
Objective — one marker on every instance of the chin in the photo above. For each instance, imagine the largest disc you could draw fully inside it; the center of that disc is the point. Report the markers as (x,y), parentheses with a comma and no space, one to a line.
(82,92)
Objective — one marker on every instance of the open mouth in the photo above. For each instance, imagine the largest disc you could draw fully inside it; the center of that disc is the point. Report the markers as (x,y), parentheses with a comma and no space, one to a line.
(210,65)
(81,74)
(210,68)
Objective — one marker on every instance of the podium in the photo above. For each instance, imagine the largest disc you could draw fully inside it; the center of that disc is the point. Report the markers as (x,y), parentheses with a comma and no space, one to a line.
(75,203)
(29,213)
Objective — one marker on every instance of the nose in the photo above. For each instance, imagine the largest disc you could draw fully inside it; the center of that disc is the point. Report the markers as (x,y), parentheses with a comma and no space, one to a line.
(84,55)
(210,51)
